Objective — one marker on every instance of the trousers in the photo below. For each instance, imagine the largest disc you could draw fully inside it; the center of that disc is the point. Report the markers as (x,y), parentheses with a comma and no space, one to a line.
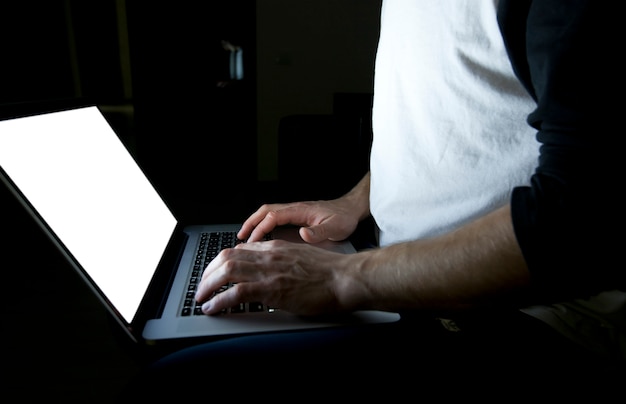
(418,355)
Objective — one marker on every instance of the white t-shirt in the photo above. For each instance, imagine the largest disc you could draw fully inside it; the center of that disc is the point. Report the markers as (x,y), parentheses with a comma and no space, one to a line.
(451,140)
(449,119)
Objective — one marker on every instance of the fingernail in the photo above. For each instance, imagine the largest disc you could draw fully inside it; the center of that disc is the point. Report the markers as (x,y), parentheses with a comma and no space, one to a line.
(206,306)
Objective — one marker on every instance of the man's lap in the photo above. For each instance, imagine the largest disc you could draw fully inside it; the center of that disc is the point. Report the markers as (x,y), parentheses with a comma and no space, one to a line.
(367,359)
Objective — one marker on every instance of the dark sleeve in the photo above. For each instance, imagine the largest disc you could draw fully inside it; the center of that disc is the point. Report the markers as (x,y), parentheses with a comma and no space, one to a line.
(569,221)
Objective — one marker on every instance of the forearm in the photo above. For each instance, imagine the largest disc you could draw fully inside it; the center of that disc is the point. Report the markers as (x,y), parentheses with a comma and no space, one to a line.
(479,263)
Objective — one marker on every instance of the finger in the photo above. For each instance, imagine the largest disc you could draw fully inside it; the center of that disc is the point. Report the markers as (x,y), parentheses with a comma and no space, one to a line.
(239,293)
(320,232)
(313,234)
(211,281)
(252,221)
(256,246)
(261,222)
(280,216)
(220,302)
(230,265)
(265,226)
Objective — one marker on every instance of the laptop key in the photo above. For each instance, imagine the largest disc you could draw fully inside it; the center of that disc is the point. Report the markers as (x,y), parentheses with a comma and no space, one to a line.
(240,308)
(255,307)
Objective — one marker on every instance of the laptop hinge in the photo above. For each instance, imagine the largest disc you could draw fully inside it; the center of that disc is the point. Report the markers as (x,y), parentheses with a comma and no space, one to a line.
(153,303)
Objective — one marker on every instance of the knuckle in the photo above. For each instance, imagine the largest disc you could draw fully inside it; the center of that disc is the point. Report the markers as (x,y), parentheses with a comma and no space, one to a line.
(272,215)
(229,268)
(227,254)
(227,265)
(266,207)
(275,243)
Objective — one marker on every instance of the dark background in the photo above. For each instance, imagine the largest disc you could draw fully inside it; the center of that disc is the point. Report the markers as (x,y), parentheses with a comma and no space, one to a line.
(157,85)
(155,81)
(152,68)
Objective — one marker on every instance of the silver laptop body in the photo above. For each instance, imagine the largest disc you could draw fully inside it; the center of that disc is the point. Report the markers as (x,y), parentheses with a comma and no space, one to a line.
(81,185)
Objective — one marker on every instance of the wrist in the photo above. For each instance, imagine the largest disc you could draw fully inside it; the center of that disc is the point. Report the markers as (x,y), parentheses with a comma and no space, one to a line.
(352,289)
(356,201)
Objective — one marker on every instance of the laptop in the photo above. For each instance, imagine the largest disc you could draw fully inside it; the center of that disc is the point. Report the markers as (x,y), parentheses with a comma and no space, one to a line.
(79,182)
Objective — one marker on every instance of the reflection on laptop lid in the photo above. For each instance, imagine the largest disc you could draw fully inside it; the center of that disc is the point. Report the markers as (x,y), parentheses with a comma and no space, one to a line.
(78,181)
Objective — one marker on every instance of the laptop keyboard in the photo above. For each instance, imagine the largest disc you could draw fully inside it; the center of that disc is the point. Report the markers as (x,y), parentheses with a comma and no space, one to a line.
(209,246)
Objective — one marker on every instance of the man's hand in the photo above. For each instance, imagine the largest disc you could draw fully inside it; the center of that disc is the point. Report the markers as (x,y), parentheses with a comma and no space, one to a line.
(479,264)
(320,220)
(296,277)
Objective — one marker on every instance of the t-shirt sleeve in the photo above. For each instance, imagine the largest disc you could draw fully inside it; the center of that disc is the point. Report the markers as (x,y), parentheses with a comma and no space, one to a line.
(568,221)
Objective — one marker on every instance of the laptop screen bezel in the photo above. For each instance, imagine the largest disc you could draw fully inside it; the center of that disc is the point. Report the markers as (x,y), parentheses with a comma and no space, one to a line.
(151,302)
(70,259)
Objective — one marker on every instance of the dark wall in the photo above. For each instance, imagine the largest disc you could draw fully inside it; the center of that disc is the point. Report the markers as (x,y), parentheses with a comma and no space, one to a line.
(59,49)
(35,57)
(154,66)
(197,139)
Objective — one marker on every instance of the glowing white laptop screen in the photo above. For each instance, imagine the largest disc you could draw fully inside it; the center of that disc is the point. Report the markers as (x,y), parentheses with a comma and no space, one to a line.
(84,197)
